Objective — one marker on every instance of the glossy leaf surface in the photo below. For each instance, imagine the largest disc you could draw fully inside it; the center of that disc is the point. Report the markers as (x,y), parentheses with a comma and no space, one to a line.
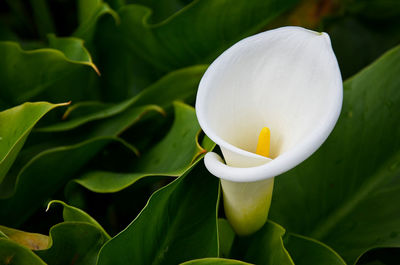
(15,126)
(273,245)
(159,160)
(73,243)
(12,253)
(47,72)
(182,212)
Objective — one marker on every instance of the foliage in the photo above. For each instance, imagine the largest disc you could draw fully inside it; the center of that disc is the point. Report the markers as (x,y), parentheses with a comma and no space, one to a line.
(116,157)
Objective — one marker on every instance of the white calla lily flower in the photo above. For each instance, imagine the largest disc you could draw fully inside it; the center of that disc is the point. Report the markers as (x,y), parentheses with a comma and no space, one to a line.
(286,79)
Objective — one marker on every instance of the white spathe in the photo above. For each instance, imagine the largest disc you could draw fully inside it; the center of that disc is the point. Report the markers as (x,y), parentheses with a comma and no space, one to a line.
(286,79)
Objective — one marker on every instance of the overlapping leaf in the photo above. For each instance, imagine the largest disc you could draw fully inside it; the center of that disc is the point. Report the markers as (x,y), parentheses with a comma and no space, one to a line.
(15,126)
(199,40)
(272,245)
(73,243)
(43,175)
(47,73)
(89,12)
(65,161)
(73,214)
(178,85)
(170,157)
(12,253)
(147,50)
(76,241)
(182,212)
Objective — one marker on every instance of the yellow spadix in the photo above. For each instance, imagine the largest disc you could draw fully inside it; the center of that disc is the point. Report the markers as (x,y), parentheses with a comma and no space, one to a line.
(264,142)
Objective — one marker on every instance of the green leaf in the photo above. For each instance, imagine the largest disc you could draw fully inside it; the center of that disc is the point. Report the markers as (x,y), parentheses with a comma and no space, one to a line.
(73,49)
(306,251)
(12,253)
(178,85)
(15,126)
(73,214)
(342,195)
(160,160)
(198,42)
(179,223)
(266,246)
(36,181)
(89,12)
(73,243)
(47,73)
(29,240)
(144,51)
(226,236)
(216,261)
(181,141)
(272,245)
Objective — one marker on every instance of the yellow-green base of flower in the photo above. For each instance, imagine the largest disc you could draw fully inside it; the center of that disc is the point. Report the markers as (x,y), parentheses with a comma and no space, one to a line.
(247,204)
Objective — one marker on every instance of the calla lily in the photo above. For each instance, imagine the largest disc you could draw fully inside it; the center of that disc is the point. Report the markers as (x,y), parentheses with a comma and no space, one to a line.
(286,79)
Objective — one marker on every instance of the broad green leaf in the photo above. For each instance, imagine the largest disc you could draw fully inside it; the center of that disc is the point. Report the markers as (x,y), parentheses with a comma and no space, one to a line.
(75,243)
(43,175)
(343,195)
(170,157)
(305,251)
(216,261)
(84,112)
(36,181)
(144,50)
(178,85)
(124,72)
(15,125)
(73,49)
(180,141)
(272,245)
(199,40)
(47,73)
(12,253)
(33,241)
(89,12)
(266,246)
(179,223)
(119,123)
(73,214)
(226,235)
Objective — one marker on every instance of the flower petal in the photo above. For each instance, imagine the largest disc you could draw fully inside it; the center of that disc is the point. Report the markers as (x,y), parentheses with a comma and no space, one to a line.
(286,79)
